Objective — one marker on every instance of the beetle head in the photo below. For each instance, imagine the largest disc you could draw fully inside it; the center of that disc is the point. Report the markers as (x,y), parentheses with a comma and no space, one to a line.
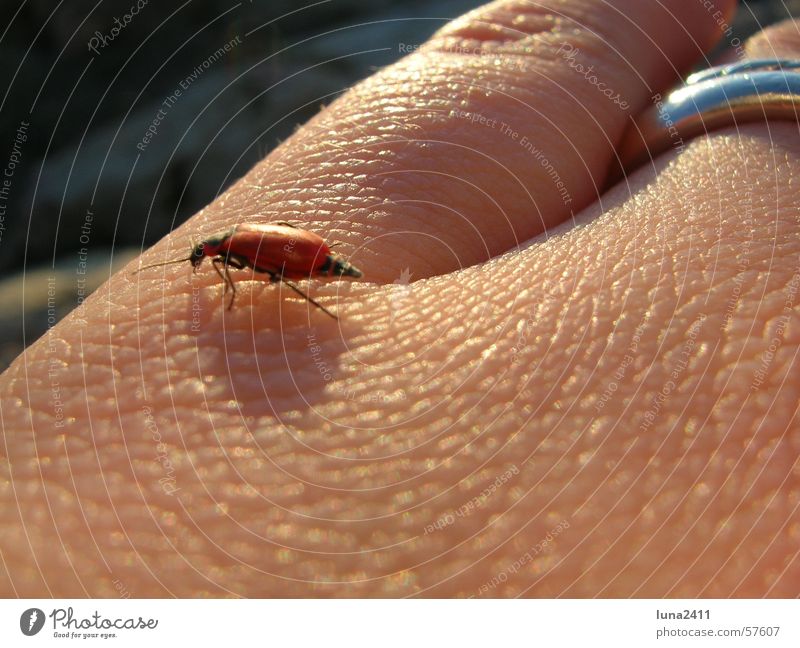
(210,247)
(196,257)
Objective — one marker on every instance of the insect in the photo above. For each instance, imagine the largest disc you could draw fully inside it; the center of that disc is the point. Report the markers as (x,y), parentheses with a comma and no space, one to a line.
(280,250)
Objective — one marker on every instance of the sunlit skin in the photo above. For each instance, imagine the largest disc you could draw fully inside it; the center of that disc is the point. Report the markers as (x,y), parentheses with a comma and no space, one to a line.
(604,385)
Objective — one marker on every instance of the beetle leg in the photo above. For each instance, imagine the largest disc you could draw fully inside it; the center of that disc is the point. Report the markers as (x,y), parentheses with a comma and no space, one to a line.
(236,261)
(225,276)
(276,277)
(285,224)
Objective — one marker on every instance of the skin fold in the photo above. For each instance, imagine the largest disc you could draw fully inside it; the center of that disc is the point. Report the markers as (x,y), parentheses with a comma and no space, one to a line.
(605,408)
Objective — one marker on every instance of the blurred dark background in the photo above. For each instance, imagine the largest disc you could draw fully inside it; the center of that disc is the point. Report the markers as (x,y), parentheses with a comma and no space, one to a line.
(89,185)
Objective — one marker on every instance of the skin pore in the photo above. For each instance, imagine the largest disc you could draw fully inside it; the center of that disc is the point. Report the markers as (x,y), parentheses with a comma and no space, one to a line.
(607,408)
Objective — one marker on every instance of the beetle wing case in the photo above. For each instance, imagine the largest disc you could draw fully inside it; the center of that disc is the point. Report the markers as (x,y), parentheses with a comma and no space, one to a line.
(298,253)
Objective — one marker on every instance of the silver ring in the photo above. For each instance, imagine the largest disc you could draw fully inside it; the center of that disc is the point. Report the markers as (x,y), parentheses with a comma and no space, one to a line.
(725,95)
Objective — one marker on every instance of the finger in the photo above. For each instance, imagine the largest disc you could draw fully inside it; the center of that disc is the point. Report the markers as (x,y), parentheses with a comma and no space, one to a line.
(502,125)
(777,41)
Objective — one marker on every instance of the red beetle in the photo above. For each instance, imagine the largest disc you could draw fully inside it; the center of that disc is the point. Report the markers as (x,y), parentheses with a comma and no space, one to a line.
(280,250)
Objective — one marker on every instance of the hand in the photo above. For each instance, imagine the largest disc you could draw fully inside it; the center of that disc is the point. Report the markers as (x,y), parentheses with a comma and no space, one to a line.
(597,410)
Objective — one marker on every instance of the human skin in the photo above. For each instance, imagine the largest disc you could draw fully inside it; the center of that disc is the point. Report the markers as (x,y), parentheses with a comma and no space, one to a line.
(320,458)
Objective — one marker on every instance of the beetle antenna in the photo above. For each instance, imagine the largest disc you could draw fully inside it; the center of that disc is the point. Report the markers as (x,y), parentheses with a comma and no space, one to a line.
(313,301)
(156,265)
